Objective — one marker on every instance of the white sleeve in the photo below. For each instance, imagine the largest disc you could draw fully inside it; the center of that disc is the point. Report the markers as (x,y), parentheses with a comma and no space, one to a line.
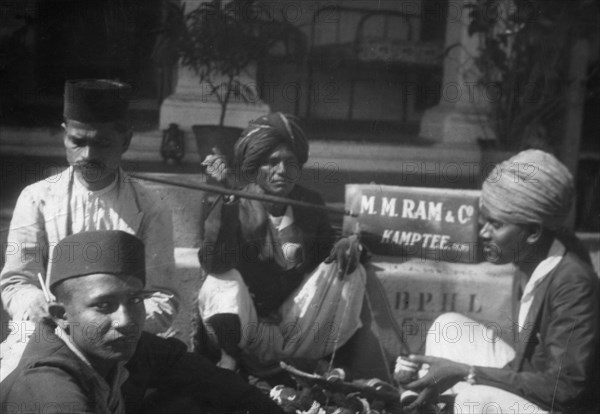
(26,256)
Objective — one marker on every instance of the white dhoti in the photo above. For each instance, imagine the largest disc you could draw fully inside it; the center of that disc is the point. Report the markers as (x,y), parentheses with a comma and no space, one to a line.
(318,317)
(473,343)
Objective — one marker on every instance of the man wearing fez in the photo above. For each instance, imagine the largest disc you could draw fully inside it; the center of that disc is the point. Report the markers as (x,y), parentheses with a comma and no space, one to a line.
(96,301)
(94,193)
(524,204)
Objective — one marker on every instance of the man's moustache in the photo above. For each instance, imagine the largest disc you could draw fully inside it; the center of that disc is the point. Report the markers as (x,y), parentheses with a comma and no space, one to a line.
(90,170)
(89,165)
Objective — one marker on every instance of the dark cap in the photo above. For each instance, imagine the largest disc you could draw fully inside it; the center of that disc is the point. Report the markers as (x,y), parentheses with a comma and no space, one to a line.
(96,100)
(111,251)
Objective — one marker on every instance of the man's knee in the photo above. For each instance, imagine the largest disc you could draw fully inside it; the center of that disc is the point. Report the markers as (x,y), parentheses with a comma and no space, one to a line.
(448,328)
(451,336)
(231,276)
(450,318)
(226,286)
(478,399)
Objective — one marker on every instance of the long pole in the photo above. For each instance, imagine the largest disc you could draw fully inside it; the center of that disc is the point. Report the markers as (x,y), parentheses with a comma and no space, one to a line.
(244,194)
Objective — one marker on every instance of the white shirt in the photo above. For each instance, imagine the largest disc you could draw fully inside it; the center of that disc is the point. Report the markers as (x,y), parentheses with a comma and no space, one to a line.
(292,252)
(97,210)
(51,209)
(555,255)
(281,222)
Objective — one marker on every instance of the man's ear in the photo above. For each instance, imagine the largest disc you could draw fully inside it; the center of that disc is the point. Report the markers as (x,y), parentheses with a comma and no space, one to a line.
(128,135)
(535,233)
(65,135)
(59,314)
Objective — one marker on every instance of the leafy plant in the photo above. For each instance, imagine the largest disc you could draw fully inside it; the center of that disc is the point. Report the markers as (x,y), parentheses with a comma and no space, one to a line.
(525,50)
(219,40)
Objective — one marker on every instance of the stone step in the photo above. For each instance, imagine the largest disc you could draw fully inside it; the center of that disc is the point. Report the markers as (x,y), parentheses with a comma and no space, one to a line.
(454,161)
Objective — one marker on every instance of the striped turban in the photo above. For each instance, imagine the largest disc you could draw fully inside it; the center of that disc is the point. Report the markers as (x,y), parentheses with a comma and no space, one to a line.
(531,187)
(265,134)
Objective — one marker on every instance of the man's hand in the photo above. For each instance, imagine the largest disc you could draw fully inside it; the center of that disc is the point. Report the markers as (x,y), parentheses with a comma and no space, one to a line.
(442,375)
(217,168)
(37,309)
(405,370)
(346,253)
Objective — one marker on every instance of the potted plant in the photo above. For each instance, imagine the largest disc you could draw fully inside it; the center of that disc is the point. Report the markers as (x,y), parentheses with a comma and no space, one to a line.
(523,63)
(523,69)
(222,40)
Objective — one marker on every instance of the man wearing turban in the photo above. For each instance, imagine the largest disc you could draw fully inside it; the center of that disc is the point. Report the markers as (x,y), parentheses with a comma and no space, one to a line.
(523,206)
(275,289)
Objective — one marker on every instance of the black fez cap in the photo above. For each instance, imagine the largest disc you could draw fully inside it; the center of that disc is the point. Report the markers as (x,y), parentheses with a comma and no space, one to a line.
(110,251)
(96,100)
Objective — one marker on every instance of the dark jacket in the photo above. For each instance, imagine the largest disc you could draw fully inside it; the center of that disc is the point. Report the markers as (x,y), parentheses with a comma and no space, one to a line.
(557,353)
(51,378)
(238,235)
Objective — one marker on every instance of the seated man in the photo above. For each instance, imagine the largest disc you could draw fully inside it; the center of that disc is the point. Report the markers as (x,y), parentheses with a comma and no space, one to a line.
(97,279)
(556,302)
(272,292)
(94,193)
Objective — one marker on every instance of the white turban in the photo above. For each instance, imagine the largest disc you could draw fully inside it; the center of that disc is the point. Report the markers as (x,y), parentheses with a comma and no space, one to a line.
(531,187)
